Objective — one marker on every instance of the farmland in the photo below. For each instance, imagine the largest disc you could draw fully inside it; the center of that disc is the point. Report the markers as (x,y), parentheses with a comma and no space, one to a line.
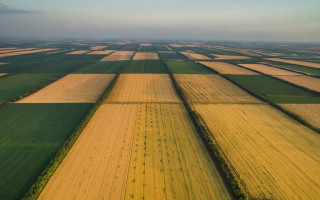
(146,66)
(226,68)
(102,67)
(146,56)
(187,67)
(118,56)
(295,62)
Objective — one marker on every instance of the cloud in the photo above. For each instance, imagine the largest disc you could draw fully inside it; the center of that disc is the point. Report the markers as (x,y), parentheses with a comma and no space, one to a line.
(4,9)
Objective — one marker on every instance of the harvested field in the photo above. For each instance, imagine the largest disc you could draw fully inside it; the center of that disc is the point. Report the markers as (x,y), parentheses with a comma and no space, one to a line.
(226,68)
(309,82)
(269,70)
(79,52)
(210,88)
(118,56)
(295,62)
(143,88)
(137,151)
(187,67)
(73,88)
(95,48)
(301,69)
(176,45)
(308,112)
(228,57)
(105,52)
(145,56)
(195,56)
(274,156)
(24,52)
(146,44)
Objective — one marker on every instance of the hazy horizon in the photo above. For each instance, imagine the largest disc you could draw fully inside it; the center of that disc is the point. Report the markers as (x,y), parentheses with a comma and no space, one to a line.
(231,20)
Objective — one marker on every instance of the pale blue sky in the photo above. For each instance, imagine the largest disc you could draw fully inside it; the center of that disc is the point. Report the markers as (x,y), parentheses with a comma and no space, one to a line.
(263,20)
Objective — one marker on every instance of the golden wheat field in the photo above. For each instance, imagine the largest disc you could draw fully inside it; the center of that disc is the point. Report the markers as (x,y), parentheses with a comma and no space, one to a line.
(269,70)
(137,151)
(309,82)
(95,48)
(24,52)
(118,56)
(228,57)
(2,74)
(78,52)
(195,56)
(104,52)
(295,62)
(226,68)
(210,88)
(145,56)
(143,88)
(73,88)
(273,156)
(308,112)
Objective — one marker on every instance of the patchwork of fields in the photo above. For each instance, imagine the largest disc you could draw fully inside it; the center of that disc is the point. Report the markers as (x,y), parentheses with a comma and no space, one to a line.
(158,120)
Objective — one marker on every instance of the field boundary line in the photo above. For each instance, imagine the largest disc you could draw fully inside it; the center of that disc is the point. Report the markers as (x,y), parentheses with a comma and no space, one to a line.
(45,176)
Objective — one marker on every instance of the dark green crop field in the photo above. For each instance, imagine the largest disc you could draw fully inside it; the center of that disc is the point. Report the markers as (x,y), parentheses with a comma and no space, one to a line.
(187,67)
(274,90)
(20,66)
(30,136)
(102,67)
(146,66)
(172,56)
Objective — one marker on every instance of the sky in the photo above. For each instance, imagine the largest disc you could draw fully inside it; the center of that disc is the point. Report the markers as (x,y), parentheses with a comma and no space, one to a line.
(216,20)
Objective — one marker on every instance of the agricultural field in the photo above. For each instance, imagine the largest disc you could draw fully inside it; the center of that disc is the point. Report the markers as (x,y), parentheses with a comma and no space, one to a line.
(146,66)
(273,71)
(295,62)
(187,67)
(118,56)
(143,88)
(227,68)
(297,68)
(166,55)
(146,56)
(228,57)
(140,157)
(195,56)
(102,67)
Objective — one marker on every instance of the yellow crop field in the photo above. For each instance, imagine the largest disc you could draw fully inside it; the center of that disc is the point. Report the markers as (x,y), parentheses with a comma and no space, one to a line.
(118,56)
(308,112)
(211,88)
(176,45)
(309,82)
(226,68)
(295,62)
(73,88)
(24,52)
(137,151)
(146,44)
(195,56)
(146,56)
(228,57)
(104,52)
(143,88)
(95,48)
(2,74)
(269,70)
(79,52)
(273,156)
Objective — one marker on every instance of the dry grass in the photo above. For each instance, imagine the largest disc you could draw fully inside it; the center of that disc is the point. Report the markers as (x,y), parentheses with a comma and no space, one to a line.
(79,52)
(308,112)
(118,56)
(2,74)
(309,82)
(143,88)
(95,48)
(137,151)
(73,88)
(210,88)
(228,57)
(195,56)
(145,56)
(105,52)
(274,156)
(146,44)
(226,68)
(24,52)
(269,70)
(295,62)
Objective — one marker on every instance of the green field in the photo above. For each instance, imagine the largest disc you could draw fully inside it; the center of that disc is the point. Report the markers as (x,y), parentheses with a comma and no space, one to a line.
(172,56)
(146,48)
(102,67)
(30,136)
(20,66)
(222,52)
(187,67)
(161,48)
(312,71)
(146,66)
(274,90)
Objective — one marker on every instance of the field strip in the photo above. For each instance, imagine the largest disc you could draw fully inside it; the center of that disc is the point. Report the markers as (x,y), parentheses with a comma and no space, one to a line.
(295,62)
(146,56)
(79,52)
(118,56)
(143,88)
(308,112)
(137,151)
(25,52)
(309,82)
(2,74)
(226,68)
(95,48)
(274,156)
(105,52)
(211,88)
(229,57)
(265,69)
(73,88)
(195,56)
